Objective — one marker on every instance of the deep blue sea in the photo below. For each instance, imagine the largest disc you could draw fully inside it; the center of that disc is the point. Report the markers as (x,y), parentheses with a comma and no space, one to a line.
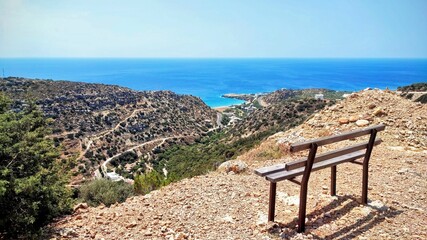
(210,78)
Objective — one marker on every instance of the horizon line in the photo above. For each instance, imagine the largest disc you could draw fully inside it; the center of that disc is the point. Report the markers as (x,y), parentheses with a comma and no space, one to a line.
(201,58)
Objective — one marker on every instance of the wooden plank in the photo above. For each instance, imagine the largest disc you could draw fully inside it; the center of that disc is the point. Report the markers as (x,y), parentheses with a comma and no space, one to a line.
(329,155)
(358,162)
(296,180)
(336,138)
(284,175)
(270,169)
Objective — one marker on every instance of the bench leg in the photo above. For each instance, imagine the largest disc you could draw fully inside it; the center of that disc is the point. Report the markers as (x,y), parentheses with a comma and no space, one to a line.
(366,166)
(365,184)
(272,202)
(302,208)
(333,180)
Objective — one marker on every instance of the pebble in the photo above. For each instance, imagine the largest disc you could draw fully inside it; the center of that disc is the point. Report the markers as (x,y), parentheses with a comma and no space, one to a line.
(362,123)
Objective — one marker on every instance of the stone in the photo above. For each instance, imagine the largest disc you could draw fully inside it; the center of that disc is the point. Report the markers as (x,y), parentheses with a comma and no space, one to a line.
(353,119)
(362,123)
(80,206)
(377,204)
(148,232)
(371,106)
(180,236)
(291,200)
(378,112)
(131,225)
(68,232)
(403,170)
(235,166)
(343,120)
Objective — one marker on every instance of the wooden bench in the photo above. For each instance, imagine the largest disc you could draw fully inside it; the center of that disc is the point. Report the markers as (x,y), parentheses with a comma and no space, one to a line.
(299,171)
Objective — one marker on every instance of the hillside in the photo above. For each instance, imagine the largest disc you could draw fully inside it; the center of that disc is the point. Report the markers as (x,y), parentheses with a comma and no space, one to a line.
(416,92)
(94,122)
(278,110)
(234,206)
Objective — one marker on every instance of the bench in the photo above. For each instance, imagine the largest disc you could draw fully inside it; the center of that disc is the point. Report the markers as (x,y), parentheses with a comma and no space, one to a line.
(299,171)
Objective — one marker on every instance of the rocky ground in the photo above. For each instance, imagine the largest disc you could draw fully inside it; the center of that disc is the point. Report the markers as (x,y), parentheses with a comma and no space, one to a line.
(224,205)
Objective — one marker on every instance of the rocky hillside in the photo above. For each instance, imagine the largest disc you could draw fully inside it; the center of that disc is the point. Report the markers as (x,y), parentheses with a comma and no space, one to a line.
(223,205)
(278,110)
(276,117)
(95,122)
(285,94)
(416,92)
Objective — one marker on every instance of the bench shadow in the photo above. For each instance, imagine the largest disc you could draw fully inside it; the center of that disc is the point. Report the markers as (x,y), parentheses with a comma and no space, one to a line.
(336,210)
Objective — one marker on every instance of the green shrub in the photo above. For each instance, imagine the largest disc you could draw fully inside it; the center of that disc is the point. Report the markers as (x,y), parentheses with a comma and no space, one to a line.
(148,182)
(105,191)
(32,179)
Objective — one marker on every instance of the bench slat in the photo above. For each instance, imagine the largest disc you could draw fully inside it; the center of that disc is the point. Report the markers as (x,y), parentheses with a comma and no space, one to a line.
(296,180)
(283,175)
(321,157)
(329,155)
(331,139)
(358,162)
(270,169)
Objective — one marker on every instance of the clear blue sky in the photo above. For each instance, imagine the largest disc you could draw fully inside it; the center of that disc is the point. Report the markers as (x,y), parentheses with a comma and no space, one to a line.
(214,28)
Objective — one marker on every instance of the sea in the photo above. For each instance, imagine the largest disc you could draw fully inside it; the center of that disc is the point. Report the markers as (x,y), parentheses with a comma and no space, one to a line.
(209,79)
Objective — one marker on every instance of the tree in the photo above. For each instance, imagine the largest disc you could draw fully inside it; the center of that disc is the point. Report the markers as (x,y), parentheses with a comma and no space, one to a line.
(32,182)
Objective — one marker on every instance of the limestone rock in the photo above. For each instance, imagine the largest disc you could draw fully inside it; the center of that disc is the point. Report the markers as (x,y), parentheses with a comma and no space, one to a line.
(362,123)
(378,112)
(80,206)
(353,119)
(235,166)
(343,120)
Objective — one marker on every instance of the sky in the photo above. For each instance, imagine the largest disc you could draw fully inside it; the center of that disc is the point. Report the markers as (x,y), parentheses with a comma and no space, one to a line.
(214,28)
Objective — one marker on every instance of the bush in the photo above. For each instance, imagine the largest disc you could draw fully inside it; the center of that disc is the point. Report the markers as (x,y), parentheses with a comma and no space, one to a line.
(32,180)
(105,191)
(148,182)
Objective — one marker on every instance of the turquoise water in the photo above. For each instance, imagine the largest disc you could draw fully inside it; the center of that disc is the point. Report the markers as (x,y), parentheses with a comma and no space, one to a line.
(210,78)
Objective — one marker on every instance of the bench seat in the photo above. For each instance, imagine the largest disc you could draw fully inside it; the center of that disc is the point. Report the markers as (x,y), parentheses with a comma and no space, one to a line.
(284,175)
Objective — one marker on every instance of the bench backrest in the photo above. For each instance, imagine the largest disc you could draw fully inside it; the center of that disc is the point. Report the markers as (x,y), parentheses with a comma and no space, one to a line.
(333,139)
(337,138)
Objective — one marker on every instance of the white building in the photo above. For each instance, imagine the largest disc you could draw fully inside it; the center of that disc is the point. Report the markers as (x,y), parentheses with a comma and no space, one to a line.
(319,96)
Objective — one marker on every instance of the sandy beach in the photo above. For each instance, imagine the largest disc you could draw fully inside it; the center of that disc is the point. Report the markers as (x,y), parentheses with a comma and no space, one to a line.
(221,109)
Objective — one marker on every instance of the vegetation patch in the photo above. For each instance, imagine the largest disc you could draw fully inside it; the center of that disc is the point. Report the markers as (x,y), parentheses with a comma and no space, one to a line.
(105,191)
(32,180)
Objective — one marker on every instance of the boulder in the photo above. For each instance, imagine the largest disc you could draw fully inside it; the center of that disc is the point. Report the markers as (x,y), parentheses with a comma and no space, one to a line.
(235,166)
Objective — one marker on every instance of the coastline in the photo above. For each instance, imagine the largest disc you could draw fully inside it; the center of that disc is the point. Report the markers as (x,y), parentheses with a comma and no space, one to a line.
(201,78)
(221,108)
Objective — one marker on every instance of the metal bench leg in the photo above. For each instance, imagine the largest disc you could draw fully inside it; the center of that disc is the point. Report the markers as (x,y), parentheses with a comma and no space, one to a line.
(366,166)
(302,208)
(272,201)
(304,188)
(333,180)
(365,184)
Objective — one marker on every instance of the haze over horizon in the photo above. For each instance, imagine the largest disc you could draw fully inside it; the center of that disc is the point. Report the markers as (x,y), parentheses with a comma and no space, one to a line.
(213,29)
